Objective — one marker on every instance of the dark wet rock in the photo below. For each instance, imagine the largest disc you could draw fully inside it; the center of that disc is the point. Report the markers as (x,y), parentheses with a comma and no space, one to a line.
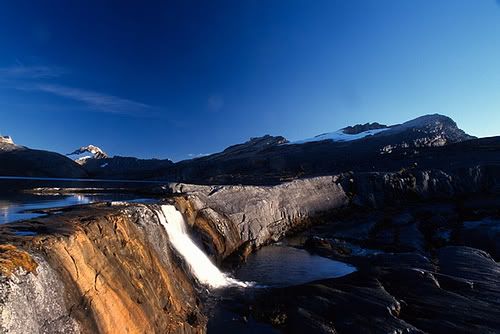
(410,238)
(352,304)
(395,293)
(484,234)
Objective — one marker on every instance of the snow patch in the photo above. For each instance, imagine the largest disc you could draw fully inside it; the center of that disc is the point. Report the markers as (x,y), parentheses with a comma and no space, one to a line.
(340,136)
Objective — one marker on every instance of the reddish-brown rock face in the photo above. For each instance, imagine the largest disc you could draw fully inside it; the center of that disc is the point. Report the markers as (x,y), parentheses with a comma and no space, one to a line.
(117,271)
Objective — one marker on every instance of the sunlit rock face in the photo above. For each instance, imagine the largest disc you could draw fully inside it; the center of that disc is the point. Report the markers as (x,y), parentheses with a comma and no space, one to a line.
(106,270)
(244,217)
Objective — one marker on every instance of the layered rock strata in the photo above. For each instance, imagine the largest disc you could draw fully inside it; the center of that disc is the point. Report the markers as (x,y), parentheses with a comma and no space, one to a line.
(96,269)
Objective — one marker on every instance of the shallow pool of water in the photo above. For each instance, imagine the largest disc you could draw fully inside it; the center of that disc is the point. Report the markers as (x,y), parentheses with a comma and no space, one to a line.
(15,207)
(281,265)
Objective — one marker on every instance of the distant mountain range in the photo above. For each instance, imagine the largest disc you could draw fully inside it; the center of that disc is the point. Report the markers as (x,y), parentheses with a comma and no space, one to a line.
(429,141)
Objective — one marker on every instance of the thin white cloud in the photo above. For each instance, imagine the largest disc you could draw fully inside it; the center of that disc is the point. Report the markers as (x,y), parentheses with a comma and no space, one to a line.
(97,101)
(38,78)
(20,71)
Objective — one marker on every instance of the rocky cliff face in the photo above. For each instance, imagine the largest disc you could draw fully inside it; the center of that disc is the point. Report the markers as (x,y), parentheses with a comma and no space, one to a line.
(95,270)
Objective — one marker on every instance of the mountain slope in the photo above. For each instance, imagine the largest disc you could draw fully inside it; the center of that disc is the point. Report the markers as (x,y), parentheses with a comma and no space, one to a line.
(18,160)
(125,167)
(361,147)
(430,140)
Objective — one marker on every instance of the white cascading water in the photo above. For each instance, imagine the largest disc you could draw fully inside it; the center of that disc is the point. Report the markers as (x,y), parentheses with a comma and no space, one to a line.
(201,266)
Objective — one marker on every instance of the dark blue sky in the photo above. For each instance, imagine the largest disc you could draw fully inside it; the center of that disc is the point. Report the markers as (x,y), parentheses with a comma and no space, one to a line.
(174,79)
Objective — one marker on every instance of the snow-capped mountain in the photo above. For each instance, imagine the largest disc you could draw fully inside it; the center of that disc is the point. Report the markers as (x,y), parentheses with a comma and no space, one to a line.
(6,140)
(360,147)
(96,153)
(424,131)
(429,141)
(7,144)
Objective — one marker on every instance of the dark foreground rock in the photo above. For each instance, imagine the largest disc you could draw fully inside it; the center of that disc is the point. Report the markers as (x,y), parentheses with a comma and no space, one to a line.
(406,233)
(395,293)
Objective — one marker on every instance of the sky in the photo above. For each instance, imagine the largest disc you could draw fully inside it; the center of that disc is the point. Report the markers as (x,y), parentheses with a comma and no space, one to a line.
(179,79)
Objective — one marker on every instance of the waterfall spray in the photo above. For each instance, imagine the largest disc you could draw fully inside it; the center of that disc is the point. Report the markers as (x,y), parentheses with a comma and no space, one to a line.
(201,266)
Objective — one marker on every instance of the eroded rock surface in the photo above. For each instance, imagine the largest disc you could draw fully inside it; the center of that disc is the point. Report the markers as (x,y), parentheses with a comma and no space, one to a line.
(99,270)
(230,217)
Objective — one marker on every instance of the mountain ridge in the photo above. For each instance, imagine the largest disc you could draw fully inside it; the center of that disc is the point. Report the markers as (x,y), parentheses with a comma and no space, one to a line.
(270,159)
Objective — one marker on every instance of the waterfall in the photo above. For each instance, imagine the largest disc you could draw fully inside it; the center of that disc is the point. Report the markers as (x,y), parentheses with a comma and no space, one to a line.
(201,266)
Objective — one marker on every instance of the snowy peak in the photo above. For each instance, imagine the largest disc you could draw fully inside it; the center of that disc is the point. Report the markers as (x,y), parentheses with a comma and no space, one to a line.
(96,152)
(430,121)
(8,145)
(6,140)
(428,130)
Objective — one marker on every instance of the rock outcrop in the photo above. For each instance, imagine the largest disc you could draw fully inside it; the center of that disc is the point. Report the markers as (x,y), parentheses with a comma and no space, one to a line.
(246,217)
(99,269)
(230,217)
(358,128)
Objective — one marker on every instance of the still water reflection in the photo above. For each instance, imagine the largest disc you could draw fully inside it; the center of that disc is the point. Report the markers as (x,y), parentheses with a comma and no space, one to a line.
(280,265)
(18,204)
